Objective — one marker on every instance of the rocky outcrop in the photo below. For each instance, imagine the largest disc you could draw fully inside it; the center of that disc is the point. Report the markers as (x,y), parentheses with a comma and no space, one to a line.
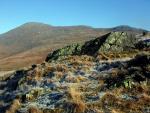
(111,42)
(118,42)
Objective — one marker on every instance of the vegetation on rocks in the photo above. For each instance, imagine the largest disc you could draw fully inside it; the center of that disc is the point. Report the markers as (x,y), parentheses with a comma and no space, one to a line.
(74,49)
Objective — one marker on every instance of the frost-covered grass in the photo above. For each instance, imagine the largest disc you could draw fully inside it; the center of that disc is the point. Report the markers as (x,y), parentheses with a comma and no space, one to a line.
(79,84)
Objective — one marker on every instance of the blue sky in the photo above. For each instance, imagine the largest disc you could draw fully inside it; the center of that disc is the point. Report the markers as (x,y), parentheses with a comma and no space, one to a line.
(96,13)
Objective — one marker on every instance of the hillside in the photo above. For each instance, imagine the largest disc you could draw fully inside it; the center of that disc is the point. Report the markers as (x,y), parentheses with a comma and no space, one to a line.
(42,38)
(30,42)
(31,35)
(108,74)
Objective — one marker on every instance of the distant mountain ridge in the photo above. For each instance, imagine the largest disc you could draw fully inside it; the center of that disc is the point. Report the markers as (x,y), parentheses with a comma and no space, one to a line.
(128,28)
(43,38)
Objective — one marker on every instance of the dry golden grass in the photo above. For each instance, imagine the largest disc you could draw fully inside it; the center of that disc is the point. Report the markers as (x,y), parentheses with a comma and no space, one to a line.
(57,110)
(35,74)
(80,79)
(76,58)
(115,72)
(38,73)
(113,55)
(33,94)
(102,56)
(34,110)
(61,68)
(115,103)
(137,89)
(76,61)
(118,91)
(14,106)
(101,82)
(49,69)
(116,111)
(86,68)
(58,75)
(108,99)
(57,68)
(75,100)
(23,59)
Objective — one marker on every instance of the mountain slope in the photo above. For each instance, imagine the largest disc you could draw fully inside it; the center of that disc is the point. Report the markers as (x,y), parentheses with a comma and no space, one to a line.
(42,38)
(31,35)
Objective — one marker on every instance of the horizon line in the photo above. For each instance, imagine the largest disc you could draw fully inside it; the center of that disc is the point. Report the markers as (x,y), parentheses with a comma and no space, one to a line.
(75,25)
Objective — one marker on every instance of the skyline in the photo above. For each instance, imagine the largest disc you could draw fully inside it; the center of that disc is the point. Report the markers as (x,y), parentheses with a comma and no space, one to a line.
(95,13)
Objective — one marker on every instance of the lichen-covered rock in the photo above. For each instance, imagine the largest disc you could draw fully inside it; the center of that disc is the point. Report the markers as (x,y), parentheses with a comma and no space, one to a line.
(118,42)
(111,42)
(74,49)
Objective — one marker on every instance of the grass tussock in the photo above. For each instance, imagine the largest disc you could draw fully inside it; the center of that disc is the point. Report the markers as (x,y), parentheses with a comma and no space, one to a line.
(58,74)
(80,60)
(35,74)
(115,72)
(116,103)
(34,110)
(75,104)
(57,110)
(110,55)
(34,93)
(14,106)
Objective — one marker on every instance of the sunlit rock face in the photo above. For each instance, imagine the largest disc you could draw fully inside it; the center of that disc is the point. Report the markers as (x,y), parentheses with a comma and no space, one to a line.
(118,42)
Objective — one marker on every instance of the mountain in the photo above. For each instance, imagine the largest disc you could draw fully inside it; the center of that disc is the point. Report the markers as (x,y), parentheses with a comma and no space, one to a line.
(32,41)
(31,35)
(126,28)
